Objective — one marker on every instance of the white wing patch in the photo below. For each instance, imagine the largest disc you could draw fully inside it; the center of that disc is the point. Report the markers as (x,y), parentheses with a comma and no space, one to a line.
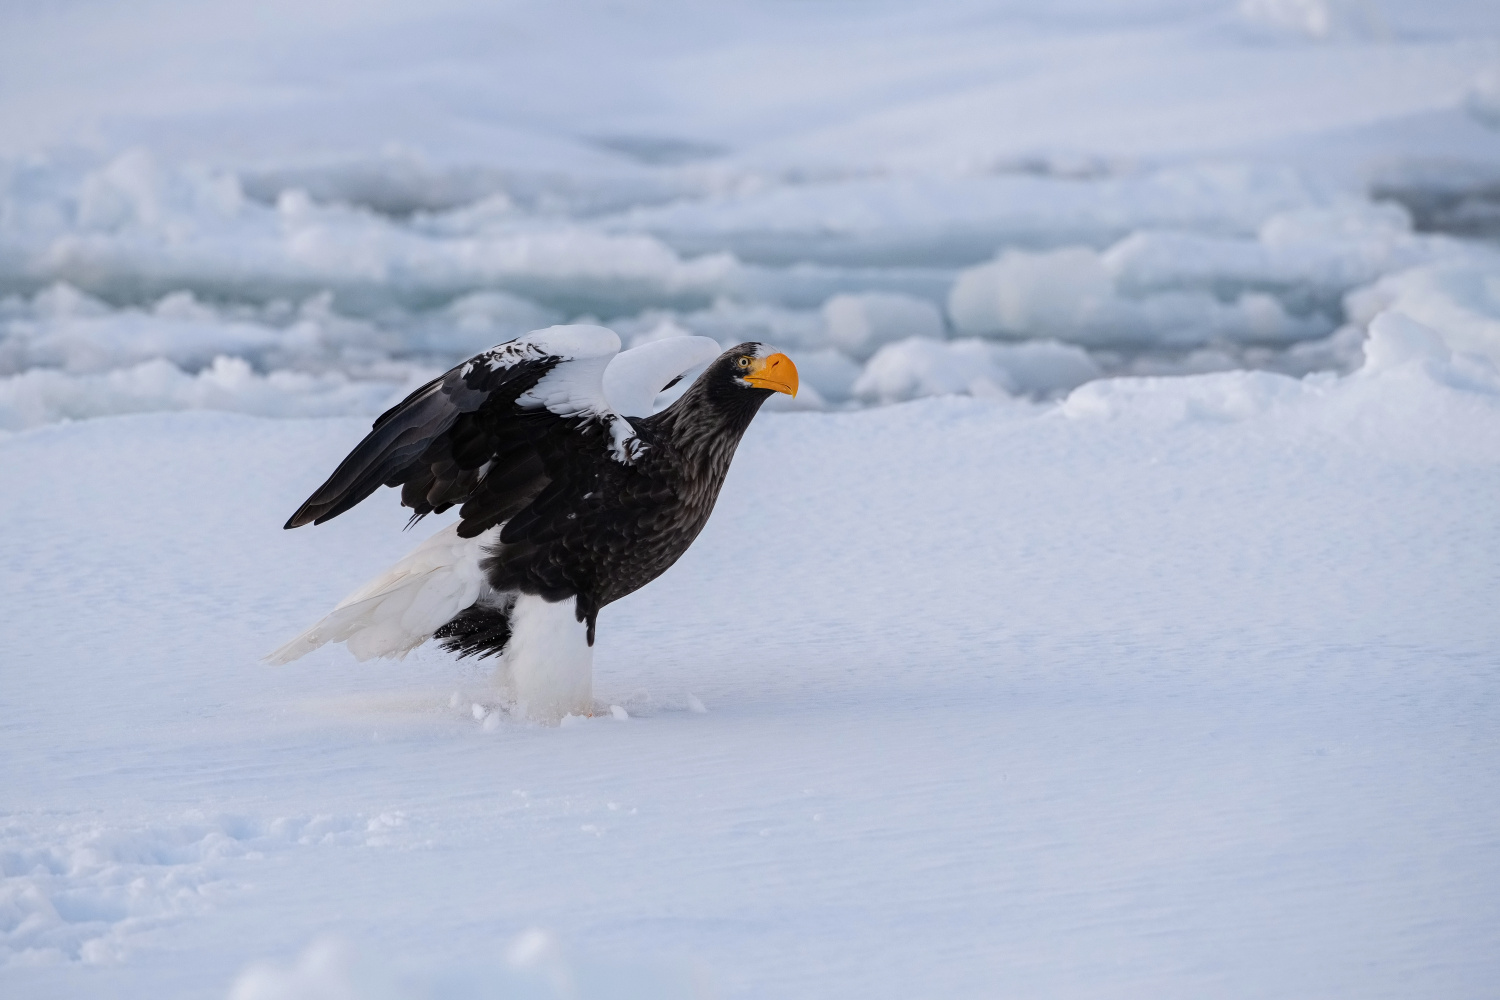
(575,388)
(596,380)
(635,377)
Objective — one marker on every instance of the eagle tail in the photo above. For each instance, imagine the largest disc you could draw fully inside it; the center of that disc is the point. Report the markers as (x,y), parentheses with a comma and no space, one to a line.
(479,630)
(434,584)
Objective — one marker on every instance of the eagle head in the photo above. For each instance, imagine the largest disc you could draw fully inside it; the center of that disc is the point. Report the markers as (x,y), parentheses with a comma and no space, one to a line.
(754,366)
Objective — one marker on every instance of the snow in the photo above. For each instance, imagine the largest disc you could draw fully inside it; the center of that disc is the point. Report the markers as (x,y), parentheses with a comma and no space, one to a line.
(1178,686)
(1111,613)
(1460,303)
(926,367)
(859,325)
(1188,289)
(1210,178)
(43,395)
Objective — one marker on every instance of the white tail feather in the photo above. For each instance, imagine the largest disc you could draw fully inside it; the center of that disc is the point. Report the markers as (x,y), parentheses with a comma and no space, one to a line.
(400,609)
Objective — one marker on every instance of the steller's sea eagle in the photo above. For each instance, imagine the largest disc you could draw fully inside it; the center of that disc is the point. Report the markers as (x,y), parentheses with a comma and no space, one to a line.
(570,493)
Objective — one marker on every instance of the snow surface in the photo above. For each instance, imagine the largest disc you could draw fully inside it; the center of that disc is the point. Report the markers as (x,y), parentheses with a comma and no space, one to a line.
(1178,687)
(1120,622)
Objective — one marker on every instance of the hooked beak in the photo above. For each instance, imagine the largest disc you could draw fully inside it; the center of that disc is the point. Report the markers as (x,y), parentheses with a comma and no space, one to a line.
(776,373)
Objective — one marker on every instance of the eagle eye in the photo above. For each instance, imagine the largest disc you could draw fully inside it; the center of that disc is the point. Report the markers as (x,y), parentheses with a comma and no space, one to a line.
(744,362)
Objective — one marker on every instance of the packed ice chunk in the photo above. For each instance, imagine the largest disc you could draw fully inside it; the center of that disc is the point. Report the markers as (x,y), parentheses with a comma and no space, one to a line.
(1169,288)
(139,226)
(859,325)
(479,320)
(1309,254)
(730,321)
(1070,295)
(63,328)
(1044,294)
(926,367)
(929,217)
(1044,367)
(650,327)
(44,395)
(133,190)
(827,372)
(1219,397)
(1459,301)
(1398,342)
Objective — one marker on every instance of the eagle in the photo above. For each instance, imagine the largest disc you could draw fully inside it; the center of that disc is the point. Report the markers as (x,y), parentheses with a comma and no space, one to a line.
(570,495)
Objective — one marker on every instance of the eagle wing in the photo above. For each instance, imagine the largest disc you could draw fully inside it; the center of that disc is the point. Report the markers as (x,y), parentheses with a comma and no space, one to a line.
(470,436)
(487,433)
(635,377)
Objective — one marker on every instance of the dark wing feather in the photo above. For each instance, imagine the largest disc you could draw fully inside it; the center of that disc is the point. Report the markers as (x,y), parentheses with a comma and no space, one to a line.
(577,483)
(436,442)
(502,493)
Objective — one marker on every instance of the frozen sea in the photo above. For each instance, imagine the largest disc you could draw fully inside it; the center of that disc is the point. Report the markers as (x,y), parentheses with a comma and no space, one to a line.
(1112,614)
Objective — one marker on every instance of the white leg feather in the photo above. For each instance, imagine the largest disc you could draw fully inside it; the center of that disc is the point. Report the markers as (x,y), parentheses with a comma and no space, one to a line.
(400,609)
(548,665)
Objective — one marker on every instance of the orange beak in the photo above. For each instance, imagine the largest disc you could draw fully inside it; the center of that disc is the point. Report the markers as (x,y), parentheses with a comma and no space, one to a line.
(776,372)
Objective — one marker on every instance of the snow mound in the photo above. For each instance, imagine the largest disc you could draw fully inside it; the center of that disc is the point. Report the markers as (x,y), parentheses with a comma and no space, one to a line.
(44,396)
(924,367)
(1217,397)
(828,373)
(136,225)
(859,325)
(64,328)
(956,218)
(1399,343)
(479,320)
(1185,289)
(1397,349)
(1458,300)
(1307,256)
(730,321)
(1071,295)
(149,262)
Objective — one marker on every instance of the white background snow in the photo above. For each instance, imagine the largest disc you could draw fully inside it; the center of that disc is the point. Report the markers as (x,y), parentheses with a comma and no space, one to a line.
(1112,615)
